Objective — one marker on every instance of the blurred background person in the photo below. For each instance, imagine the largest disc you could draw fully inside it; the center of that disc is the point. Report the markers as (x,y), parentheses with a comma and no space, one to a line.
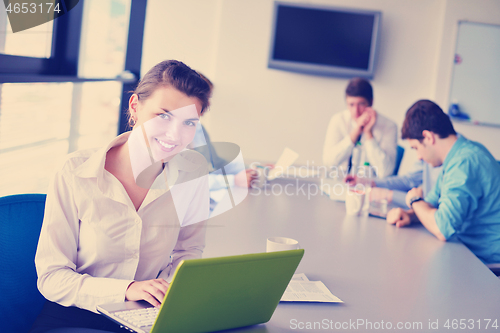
(360,126)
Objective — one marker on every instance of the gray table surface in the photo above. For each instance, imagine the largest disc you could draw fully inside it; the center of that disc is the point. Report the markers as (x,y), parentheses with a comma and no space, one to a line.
(386,276)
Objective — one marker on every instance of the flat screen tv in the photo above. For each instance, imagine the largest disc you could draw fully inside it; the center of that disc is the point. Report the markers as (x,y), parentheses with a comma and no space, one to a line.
(320,40)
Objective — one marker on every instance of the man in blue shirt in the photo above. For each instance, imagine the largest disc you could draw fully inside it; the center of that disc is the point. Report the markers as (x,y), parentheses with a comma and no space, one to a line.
(466,199)
(394,188)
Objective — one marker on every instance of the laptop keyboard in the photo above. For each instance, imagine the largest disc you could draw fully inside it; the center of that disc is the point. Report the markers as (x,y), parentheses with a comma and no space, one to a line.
(139,317)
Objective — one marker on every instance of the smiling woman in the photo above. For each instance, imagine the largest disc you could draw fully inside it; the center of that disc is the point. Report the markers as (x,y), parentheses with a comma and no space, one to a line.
(163,111)
(106,237)
(166,131)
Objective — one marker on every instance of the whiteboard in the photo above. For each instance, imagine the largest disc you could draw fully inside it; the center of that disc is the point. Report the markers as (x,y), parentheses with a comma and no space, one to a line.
(475,85)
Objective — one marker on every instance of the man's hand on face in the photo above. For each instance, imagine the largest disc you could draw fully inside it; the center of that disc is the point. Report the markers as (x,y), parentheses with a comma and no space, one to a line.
(372,118)
(363,120)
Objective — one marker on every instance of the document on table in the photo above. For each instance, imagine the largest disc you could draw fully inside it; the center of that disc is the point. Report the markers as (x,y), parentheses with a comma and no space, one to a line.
(286,159)
(335,189)
(300,289)
(299,277)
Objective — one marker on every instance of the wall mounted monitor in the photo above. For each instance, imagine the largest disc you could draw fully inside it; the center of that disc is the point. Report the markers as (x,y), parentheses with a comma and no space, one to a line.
(321,40)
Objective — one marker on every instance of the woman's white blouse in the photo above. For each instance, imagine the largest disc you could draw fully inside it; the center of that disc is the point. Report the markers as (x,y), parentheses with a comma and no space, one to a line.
(93,242)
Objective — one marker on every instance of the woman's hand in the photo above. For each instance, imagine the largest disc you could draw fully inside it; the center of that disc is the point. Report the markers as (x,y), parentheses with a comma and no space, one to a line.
(245,177)
(152,291)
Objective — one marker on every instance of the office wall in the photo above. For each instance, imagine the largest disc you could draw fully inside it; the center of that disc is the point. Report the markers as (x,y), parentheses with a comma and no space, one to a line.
(263,110)
(183,30)
(485,11)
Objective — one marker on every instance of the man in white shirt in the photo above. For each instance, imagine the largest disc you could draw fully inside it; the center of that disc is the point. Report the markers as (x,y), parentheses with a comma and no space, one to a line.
(361,125)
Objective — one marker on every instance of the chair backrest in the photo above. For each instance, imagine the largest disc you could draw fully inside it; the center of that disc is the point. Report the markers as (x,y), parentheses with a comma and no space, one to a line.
(399,157)
(20,223)
(495,268)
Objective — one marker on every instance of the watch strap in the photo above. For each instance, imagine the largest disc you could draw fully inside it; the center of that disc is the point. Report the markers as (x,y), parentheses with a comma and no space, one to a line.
(415,199)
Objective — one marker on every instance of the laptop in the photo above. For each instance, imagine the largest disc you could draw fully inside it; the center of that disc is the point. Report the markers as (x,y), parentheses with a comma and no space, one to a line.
(213,294)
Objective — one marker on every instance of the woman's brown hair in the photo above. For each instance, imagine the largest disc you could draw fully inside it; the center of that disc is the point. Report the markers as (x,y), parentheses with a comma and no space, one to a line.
(177,75)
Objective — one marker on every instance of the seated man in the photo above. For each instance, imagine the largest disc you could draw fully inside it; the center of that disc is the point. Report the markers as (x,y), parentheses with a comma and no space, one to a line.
(361,125)
(235,171)
(466,199)
(394,188)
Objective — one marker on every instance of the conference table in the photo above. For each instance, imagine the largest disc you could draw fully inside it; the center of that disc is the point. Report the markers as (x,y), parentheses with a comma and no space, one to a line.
(389,278)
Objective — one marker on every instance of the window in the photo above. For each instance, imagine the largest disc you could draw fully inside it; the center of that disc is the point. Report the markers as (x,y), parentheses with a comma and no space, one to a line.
(34,131)
(60,90)
(34,42)
(103,45)
(99,113)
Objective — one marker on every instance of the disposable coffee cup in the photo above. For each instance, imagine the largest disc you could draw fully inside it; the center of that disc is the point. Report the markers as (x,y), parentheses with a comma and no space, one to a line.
(281,244)
(354,201)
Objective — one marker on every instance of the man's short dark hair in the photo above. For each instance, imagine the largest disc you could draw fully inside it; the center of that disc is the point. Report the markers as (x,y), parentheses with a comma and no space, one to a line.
(426,115)
(359,87)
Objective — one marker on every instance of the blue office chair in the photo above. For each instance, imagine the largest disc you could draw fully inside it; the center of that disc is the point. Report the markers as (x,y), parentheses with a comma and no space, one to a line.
(495,268)
(20,223)
(399,158)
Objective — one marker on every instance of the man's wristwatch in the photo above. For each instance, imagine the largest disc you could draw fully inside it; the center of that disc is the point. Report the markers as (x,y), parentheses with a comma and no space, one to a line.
(415,199)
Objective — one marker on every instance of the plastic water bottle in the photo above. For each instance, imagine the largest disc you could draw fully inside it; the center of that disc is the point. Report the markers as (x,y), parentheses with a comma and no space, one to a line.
(355,158)
(367,182)
(366,172)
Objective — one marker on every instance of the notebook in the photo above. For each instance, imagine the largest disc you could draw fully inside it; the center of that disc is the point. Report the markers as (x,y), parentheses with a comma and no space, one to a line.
(215,294)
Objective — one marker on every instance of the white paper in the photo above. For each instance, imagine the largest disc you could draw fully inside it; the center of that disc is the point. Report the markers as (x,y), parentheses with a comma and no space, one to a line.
(335,189)
(286,159)
(308,291)
(299,277)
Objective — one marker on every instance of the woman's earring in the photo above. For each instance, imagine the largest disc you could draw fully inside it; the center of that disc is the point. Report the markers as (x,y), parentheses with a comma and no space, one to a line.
(131,122)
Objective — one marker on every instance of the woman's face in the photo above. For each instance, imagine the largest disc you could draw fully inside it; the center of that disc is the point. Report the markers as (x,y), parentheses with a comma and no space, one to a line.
(168,120)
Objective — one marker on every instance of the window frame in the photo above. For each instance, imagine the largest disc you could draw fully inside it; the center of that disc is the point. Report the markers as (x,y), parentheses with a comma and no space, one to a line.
(66,35)
(62,66)
(133,57)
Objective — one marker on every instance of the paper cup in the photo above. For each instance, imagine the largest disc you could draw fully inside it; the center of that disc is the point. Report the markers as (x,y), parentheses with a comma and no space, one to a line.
(354,202)
(281,244)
